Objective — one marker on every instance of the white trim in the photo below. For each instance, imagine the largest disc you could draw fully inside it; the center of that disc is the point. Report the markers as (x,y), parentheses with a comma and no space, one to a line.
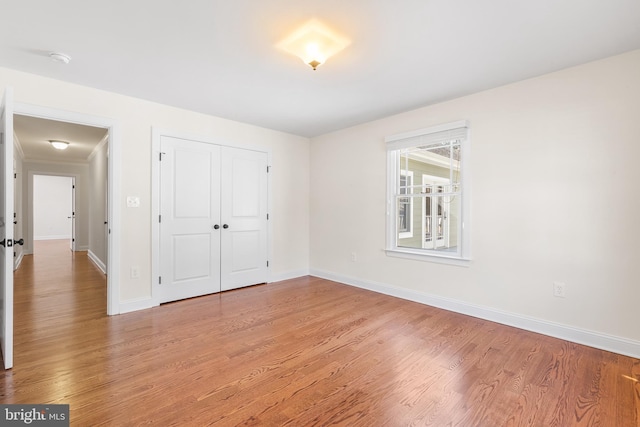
(424,131)
(18,146)
(287,275)
(394,169)
(67,237)
(440,258)
(97,261)
(586,337)
(114,197)
(136,304)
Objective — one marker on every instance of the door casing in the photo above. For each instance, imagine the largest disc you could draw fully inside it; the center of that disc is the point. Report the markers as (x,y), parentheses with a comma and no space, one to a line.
(114,193)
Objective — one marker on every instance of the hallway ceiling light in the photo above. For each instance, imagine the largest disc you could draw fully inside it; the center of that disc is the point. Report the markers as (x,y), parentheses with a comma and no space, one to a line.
(59,145)
(314,43)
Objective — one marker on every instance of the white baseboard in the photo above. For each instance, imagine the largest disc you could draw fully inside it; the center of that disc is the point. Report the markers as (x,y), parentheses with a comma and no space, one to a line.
(287,275)
(594,339)
(136,304)
(97,261)
(52,238)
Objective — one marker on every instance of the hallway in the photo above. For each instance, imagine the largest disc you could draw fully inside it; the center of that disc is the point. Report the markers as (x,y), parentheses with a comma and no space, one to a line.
(56,294)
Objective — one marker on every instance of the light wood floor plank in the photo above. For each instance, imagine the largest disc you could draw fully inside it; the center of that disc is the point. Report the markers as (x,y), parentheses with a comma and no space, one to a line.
(303,352)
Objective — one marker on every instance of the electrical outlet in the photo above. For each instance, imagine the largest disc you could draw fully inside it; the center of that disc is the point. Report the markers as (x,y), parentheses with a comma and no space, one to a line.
(135,272)
(354,257)
(559,289)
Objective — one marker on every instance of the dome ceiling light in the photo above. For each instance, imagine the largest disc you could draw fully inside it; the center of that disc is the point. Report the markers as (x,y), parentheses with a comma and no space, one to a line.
(59,145)
(314,43)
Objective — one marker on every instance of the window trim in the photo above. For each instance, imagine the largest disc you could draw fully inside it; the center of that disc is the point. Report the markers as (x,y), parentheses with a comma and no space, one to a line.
(394,144)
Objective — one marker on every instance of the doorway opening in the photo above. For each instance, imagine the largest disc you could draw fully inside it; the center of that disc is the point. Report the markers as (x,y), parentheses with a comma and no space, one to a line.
(18,168)
(92,160)
(54,209)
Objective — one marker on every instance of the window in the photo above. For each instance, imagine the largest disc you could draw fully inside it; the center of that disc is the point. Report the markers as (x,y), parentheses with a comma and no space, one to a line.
(405,206)
(428,193)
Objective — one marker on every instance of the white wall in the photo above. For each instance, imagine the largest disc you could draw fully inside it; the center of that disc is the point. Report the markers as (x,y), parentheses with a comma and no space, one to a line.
(81,174)
(290,173)
(98,204)
(52,207)
(555,175)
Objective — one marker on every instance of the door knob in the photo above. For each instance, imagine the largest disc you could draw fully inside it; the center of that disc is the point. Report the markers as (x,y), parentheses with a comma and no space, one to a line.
(216,226)
(18,242)
(225,226)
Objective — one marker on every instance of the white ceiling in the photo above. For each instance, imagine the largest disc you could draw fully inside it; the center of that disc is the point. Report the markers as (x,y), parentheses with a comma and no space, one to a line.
(34,135)
(219,56)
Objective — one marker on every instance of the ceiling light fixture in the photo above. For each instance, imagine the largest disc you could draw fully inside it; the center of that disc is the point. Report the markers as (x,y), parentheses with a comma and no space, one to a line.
(314,43)
(60,57)
(59,145)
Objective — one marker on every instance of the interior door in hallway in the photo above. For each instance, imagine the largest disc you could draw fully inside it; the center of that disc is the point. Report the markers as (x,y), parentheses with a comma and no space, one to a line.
(190,219)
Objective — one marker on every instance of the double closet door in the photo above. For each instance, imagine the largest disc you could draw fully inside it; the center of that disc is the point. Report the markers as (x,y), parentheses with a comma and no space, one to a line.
(213,218)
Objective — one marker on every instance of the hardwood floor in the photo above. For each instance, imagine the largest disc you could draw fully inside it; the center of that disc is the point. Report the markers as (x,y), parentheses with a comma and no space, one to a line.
(303,352)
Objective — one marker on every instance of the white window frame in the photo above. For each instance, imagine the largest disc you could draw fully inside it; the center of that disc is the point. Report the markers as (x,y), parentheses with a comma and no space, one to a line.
(409,233)
(432,179)
(412,139)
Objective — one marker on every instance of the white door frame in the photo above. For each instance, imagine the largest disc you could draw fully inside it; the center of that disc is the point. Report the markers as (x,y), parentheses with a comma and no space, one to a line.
(114,196)
(156,134)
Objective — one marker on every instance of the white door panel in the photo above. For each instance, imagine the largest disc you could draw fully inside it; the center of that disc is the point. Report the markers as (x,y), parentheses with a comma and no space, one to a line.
(244,209)
(246,251)
(192,183)
(189,241)
(6,228)
(245,185)
(192,257)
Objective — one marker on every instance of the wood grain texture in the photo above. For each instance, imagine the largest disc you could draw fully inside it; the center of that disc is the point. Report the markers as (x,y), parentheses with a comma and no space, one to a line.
(303,352)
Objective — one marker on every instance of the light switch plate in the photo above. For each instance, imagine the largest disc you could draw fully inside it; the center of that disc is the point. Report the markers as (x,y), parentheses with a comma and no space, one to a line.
(133,202)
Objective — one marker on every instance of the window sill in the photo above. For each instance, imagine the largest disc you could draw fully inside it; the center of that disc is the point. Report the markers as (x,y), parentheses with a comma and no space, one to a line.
(430,257)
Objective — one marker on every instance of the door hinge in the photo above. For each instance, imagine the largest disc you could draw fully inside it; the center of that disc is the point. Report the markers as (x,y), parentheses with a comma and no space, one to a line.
(160,157)
(159,280)
(267,217)
(73,186)
(15,175)
(159,218)
(268,169)
(267,263)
